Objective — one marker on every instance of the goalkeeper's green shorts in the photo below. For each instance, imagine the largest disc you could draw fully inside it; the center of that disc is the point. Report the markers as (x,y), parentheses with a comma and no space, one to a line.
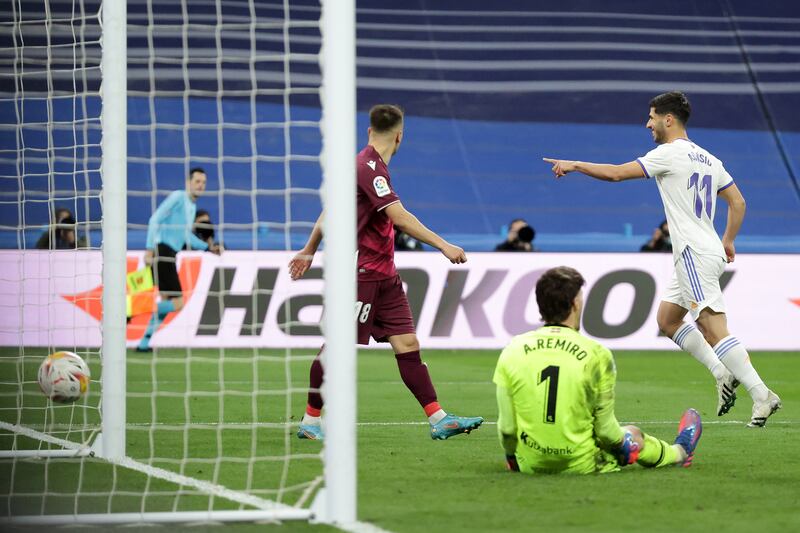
(601,462)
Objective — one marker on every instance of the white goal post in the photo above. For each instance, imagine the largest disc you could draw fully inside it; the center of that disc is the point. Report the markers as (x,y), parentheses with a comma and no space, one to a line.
(114,171)
(339,200)
(330,498)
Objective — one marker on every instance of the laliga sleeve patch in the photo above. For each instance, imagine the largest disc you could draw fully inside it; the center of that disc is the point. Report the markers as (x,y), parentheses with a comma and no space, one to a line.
(381,186)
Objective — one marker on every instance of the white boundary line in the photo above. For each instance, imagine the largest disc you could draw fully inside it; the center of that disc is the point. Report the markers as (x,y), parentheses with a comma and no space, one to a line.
(245,425)
(32,433)
(284,512)
(361,527)
(203,486)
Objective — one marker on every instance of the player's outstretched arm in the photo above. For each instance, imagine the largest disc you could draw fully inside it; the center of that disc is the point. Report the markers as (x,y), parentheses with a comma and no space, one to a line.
(736,208)
(196,243)
(409,224)
(600,171)
(301,262)
(507,427)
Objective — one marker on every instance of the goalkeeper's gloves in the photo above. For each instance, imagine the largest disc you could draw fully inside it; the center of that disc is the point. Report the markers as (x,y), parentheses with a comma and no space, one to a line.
(511,463)
(628,451)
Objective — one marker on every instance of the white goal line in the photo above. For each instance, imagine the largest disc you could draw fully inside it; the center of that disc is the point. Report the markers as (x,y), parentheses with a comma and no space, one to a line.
(268,510)
(271,425)
(156,472)
(275,511)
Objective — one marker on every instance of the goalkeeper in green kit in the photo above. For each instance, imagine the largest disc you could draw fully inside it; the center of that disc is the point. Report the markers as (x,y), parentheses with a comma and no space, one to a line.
(555,396)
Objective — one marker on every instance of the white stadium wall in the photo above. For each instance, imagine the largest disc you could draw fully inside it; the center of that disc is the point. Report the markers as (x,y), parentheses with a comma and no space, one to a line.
(245,299)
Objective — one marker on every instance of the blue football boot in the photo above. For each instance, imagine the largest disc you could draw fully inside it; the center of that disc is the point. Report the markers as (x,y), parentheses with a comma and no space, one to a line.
(311,432)
(689,431)
(453,425)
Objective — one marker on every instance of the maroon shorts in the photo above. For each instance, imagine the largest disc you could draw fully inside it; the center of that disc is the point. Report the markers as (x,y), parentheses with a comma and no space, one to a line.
(382,310)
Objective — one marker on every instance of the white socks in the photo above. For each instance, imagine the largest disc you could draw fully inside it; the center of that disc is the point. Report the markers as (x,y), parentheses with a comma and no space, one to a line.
(733,355)
(692,341)
(309,420)
(682,455)
(436,417)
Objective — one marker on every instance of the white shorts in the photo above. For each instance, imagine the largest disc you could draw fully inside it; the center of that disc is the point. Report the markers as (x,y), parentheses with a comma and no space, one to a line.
(695,283)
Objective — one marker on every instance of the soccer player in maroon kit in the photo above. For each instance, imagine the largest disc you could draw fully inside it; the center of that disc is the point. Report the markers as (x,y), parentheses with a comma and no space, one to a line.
(382,308)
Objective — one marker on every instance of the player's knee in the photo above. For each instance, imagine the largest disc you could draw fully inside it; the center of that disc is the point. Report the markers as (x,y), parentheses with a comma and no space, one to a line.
(404,343)
(411,345)
(667,326)
(669,318)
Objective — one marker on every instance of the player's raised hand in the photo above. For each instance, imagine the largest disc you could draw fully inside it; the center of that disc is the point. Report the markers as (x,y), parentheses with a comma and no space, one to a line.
(560,166)
(455,254)
(300,264)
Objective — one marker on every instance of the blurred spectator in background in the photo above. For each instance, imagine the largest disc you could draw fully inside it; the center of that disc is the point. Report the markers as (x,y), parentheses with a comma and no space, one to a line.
(204,229)
(61,235)
(405,242)
(660,241)
(519,239)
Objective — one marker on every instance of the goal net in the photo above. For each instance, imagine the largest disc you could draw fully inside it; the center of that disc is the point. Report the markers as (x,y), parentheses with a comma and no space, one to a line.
(94,138)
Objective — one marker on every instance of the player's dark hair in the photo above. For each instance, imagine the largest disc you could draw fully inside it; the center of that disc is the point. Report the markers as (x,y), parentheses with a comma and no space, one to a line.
(555,292)
(195,169)
(204,230)
(385,117)
(61,213)
(674,103)
(526,233)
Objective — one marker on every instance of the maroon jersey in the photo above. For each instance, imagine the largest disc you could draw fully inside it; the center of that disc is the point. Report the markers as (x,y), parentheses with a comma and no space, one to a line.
(375,229)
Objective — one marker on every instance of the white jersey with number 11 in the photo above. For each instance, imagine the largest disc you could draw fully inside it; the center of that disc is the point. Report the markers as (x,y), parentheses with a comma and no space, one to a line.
(689,179)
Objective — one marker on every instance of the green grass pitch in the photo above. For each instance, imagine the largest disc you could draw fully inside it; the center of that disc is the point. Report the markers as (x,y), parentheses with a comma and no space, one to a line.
(741,480)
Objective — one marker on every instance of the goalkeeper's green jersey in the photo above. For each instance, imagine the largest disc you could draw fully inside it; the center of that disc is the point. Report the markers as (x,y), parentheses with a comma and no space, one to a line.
(561,386)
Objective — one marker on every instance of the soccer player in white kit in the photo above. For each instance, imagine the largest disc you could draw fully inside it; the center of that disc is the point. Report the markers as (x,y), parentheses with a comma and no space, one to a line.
(690,180)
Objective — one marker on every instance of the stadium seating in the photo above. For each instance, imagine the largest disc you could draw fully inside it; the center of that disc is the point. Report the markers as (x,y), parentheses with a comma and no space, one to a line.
(486,97)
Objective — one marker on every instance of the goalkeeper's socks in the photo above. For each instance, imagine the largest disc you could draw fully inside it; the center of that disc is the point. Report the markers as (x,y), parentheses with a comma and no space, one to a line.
(657,452)
(692,341)
(734,356)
